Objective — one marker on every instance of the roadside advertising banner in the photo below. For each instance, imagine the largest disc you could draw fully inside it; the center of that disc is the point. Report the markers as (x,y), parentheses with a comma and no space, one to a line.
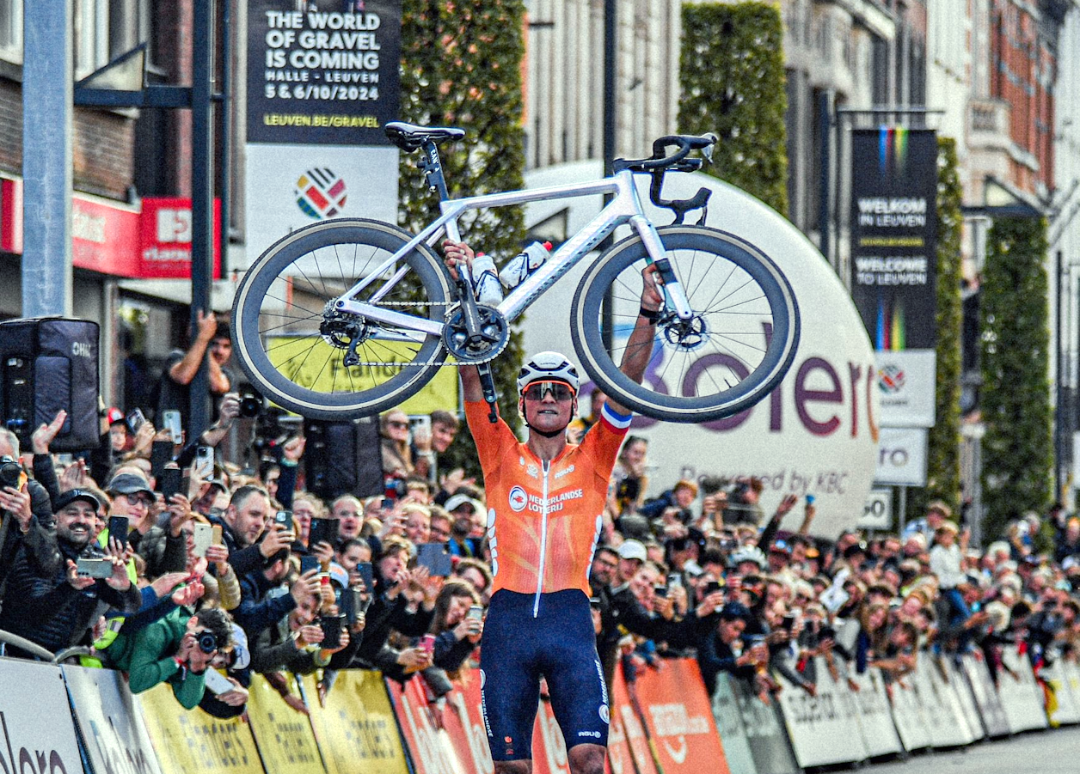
(322,84)
(284,737)
(765,732)
(678,715)
(977,675)
(823,728)
(356,729)
(191,741)
(37,733)
(113,731)
(729,723)
(630,724)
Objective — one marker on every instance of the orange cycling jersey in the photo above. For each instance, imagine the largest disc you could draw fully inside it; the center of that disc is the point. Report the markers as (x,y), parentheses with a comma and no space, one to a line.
(544,520)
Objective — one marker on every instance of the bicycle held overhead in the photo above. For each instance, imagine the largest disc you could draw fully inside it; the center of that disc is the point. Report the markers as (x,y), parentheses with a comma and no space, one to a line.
(351,317)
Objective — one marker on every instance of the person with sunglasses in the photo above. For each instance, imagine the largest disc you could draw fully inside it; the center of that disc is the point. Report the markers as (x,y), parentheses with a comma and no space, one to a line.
(545,498)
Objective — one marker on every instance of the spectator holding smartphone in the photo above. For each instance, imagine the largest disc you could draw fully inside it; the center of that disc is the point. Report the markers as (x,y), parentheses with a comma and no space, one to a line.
(163,550)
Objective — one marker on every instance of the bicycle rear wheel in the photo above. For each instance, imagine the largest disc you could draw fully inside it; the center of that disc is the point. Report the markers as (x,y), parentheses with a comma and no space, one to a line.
(733,351)
(291,343)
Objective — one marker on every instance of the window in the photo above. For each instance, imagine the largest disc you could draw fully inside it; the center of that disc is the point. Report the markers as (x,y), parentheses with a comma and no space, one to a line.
(105,29)
(11,30)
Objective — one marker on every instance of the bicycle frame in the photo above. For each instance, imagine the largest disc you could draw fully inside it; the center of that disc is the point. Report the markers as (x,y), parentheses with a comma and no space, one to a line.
(625,207)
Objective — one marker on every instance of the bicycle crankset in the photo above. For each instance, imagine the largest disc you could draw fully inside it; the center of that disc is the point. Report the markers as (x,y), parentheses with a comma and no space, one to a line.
(494,335)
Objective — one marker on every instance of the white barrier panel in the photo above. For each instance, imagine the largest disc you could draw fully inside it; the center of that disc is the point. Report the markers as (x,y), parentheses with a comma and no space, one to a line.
(986,696)
(948,728)
(1066,711)
(1021,696)
(908,715)
(874,716)
(37,733)
(730,724)
(822,728)
(1071,672)
(113,731)
(958,695)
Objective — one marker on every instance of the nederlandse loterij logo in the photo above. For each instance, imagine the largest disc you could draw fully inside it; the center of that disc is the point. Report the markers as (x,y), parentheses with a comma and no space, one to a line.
(320,193)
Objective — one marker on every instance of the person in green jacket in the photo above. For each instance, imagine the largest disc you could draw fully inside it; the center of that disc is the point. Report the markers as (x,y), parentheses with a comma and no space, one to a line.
(177,649)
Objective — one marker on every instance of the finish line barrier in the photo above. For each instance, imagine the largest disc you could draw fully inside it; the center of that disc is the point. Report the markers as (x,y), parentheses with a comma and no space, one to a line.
(88,720)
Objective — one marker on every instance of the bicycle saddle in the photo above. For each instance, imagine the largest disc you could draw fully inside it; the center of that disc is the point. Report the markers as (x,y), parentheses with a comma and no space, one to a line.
(410,137)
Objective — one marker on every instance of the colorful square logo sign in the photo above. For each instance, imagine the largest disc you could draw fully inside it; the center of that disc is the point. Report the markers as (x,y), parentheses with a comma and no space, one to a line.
(320,193)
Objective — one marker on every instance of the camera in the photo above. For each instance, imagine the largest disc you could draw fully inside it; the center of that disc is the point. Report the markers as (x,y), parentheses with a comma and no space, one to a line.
(10,472)
(207,642)
(250,406)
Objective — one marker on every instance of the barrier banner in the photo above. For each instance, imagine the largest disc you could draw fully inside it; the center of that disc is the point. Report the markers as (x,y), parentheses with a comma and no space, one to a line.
(465,724)
(549,747)
(113,732)
(283,736)
(729,723)
(1063,709)
(986,696)
(356,730)
(679,718)
(874,715)
(946,728)
(769,744)
(623,712)
(962,691)
(191,741)
(908,715)
(1071,678)
(822,728)
(37,733)
(950,699)
(1020,695)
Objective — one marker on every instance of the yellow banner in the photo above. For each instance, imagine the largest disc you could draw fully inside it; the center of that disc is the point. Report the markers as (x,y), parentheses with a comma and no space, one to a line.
(285,738)
(316,365)
(192,741)
(356,729)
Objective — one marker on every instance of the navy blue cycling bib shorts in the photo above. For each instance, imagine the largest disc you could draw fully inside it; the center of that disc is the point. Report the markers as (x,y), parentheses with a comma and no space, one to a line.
(558,643)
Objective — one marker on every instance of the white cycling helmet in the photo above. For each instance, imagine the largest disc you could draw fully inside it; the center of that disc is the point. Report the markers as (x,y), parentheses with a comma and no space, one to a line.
(748,554)
(547,367)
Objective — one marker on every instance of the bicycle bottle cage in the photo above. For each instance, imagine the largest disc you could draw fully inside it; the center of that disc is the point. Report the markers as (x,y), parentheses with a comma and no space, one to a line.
(659,164)
(410,137)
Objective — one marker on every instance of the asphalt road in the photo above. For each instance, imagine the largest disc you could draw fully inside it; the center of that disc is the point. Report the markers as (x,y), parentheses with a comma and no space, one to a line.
(1056,751)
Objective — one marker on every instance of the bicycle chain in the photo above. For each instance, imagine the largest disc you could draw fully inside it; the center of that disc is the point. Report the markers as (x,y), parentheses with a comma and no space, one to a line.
(415,364)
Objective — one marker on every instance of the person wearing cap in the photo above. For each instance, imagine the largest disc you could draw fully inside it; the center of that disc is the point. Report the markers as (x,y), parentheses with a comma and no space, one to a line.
(545,499)
(26,511)
(54,607)
(163,550)
(462,510)
(937,513)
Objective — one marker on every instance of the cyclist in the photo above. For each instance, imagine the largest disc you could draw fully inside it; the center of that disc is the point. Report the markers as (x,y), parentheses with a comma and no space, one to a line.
(545,498)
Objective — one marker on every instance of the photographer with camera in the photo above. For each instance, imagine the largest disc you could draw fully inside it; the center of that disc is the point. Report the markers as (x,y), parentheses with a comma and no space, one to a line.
(177,649)
(54,608)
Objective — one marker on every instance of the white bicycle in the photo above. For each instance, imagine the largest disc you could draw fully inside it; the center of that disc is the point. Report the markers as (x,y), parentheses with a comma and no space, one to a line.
(350,317)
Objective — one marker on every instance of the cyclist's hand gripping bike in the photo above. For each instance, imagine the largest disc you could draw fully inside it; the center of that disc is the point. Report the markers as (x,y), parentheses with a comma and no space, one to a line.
(350,317)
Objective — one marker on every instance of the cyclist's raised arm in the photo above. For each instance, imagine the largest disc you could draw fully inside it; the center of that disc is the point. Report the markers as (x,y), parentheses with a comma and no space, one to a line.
(640,345)
(459,252)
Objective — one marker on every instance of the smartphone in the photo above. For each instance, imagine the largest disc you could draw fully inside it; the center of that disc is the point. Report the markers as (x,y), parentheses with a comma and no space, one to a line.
(217,683)
(204,462)
(331,629)
(323,531)
(284,519)
(476,613)
(367,575)
(435,557)
(217,536)
(427,643)
(660,591)
(421,421)
(170,420)
(118,528)
(204,535)
(674,579)
(169,481)
(309,563)
(712,587)
(788,622)
(352,604)
(94,568)
(135,420)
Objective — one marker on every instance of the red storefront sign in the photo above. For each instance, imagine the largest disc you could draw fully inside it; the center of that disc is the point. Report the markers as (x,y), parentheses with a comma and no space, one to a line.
(151,242)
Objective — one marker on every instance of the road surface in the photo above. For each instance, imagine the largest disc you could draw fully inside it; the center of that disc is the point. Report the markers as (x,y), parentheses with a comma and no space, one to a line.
(1056,751)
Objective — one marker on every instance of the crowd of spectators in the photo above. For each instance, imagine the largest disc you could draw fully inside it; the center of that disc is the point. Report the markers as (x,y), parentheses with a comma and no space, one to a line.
(142,557)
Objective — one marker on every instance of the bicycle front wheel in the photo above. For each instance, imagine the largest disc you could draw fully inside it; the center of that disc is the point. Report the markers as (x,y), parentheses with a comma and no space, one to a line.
(292,343)
(735,348)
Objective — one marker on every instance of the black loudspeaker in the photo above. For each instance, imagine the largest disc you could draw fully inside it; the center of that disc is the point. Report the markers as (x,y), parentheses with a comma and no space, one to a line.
(343,458)
(50,363)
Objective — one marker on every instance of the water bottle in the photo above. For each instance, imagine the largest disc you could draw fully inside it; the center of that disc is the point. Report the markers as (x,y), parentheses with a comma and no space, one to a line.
(523,264)
(486,281)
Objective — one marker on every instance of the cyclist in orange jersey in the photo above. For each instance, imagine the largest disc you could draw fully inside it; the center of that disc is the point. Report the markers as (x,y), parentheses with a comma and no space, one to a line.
(545,499)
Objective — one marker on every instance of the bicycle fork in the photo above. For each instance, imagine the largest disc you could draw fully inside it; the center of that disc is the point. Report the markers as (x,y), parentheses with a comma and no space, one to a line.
(673,290)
